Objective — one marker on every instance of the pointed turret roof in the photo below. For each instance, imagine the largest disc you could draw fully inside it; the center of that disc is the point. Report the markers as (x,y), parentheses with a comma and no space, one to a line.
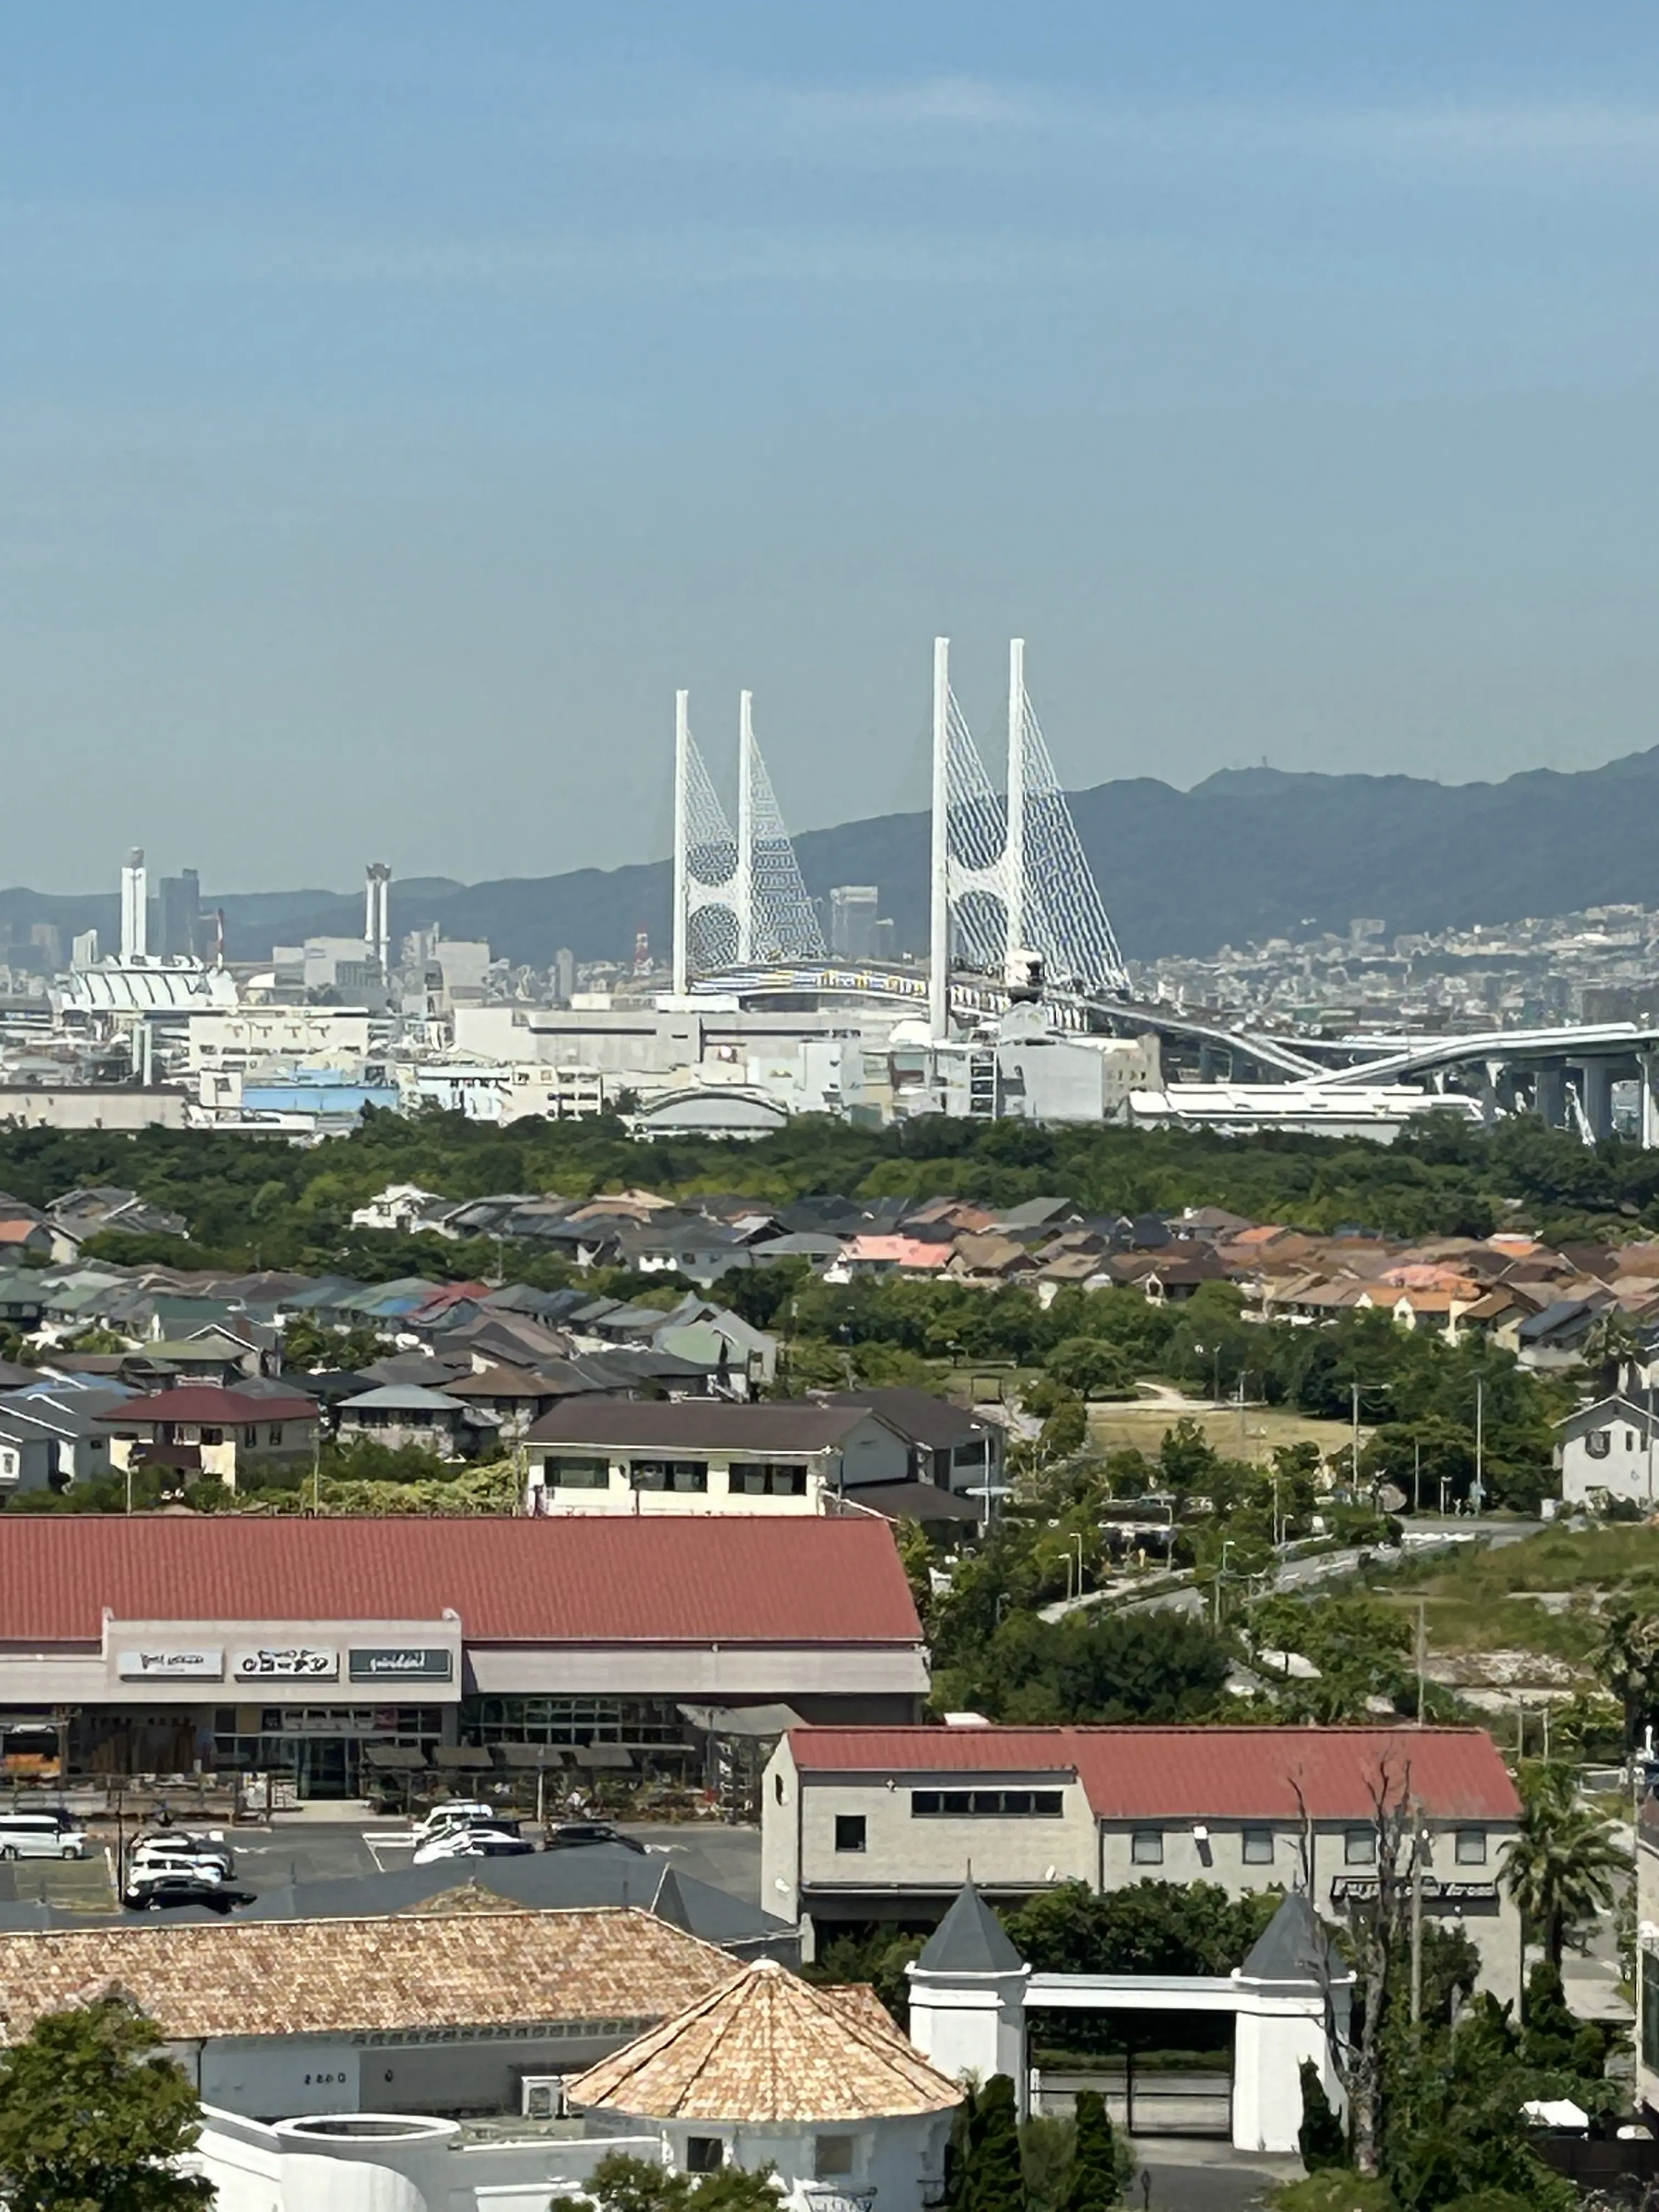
(1293,1947)
(969,1940)
(768,2046)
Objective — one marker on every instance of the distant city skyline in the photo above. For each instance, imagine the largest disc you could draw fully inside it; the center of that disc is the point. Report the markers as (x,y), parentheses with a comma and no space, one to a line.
(398,403)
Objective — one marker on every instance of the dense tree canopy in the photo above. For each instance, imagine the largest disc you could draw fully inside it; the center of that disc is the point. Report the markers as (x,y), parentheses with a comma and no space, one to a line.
(92,2117)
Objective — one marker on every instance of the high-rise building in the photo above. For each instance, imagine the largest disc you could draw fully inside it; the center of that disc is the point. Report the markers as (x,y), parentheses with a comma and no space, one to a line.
(181,913)
(853,917)
(135,907)
(564,975)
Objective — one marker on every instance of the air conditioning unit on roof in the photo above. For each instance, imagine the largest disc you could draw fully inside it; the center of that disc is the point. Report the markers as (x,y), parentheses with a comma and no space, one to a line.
(541,2096)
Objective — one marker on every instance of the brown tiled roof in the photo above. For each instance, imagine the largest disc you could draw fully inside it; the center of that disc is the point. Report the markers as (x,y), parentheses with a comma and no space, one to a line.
(356,1977)
(767,2047)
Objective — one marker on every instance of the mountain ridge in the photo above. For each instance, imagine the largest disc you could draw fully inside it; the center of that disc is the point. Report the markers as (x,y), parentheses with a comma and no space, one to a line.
(1247,853)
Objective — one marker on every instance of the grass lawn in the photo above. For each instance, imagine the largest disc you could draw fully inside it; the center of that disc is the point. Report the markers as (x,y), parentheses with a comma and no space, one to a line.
(1266,1428)
(1482,1600)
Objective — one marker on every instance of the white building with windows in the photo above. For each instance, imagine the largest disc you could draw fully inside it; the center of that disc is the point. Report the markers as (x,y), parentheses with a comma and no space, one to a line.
(877,1823)
(1607,1450)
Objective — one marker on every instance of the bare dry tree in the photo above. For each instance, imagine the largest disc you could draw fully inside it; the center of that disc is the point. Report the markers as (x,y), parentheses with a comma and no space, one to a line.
(1377,1920)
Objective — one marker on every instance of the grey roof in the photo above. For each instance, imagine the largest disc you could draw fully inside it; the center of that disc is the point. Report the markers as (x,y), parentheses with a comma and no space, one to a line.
(706,1424)
(969,1940)
(595,1875)
(918,1416)
(405,1398)
(1293,1947)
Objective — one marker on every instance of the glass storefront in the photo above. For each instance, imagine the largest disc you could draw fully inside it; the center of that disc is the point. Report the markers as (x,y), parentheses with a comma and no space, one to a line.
(638,1724)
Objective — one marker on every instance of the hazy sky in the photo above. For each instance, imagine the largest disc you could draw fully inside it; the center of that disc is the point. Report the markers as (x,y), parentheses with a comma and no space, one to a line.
(397,402)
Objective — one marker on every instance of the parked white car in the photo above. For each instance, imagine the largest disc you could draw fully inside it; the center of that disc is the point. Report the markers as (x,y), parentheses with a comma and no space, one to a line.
(463,1843)
(40,1836)
(459,1812)
(146,1867)
(145,1872)
(206,1844)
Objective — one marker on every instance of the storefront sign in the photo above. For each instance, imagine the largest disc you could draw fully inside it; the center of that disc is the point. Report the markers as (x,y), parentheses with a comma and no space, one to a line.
(402,1663)
(199,1665)
(1358,1888)
(289,1662)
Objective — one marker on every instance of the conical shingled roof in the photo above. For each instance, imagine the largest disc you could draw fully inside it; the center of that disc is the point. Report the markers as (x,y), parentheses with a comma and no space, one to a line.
(768,2046)
(1293,1947)
(969,1940)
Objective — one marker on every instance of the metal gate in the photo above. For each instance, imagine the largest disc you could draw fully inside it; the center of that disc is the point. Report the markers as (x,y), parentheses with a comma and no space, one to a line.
(1188,2094)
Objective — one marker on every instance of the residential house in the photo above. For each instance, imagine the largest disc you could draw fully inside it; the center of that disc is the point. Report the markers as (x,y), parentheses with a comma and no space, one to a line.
(52,1436)
(399,1414)
(197,1428)
(785,1456)
(950,1447)
(889,1255)
(1608,1450)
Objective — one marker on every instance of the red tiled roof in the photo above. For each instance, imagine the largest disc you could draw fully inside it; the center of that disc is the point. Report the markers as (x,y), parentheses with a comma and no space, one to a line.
(206,1401)
(668,1579)
(1197,1773)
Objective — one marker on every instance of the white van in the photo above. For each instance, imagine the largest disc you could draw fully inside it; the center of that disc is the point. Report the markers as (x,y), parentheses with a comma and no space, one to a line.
(40,1836)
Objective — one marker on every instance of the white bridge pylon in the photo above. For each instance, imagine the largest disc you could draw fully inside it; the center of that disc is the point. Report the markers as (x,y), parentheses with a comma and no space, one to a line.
(1008,875)
(739,898)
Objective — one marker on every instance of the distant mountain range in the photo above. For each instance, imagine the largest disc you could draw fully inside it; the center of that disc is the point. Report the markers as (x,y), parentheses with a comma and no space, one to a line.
(1247,853)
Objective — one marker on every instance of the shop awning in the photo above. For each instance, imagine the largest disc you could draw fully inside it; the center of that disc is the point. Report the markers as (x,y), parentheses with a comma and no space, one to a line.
(536,1756)
(596,1755)
(469,1757)
(396,1758)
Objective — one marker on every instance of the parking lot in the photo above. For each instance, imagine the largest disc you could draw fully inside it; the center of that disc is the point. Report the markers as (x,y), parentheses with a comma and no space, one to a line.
(315,1850)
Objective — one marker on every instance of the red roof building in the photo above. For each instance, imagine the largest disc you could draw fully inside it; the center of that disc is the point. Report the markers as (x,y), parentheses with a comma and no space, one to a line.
(872,1823)
(251,1643)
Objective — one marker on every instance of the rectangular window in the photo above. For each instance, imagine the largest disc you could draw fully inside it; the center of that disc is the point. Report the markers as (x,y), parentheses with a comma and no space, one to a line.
(1471,1847)
(752,1479)
(563,1472)
(212,1436)
(987,1804)
(1258,1847)
(682,1475)
(1359,1847)
(704,2153)
(1146,1847)
(832,2158)
(849,1831)
(274,1433)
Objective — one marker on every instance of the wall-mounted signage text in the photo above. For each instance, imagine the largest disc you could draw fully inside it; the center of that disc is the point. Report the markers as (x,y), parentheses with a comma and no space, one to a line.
(288,1662)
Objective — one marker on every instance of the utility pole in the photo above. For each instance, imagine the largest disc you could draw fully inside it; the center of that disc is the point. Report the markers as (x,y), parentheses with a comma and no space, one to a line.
(1417,1912)
(1422,1654)
(682,856)
(1479,1442)
(938,887)
(1355,1387)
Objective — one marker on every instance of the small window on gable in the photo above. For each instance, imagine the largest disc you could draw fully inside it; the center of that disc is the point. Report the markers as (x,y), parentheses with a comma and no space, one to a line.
(704,2153)
(1471,1847)
(1146,1847)
(1359,1847)
(849,1831)
(1258,1847)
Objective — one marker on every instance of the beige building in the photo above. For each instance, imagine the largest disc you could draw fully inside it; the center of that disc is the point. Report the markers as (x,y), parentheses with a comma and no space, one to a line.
(709,1456)
(862,1824)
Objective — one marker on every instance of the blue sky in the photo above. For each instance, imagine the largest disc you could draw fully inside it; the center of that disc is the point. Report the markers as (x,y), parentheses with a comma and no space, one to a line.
(397,402)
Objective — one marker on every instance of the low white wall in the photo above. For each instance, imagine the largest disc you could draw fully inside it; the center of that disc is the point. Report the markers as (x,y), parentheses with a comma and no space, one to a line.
(418,2166)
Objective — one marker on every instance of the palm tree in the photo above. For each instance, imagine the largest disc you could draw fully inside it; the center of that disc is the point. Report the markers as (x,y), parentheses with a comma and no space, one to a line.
(1562,1866)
